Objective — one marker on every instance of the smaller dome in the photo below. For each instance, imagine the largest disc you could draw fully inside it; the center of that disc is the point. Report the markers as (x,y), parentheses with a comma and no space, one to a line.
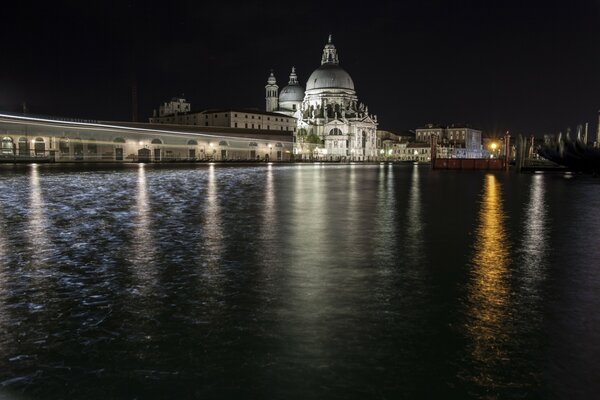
(291,93)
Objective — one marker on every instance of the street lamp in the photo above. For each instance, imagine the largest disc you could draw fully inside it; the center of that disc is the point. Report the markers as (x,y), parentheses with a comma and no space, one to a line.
(493,146)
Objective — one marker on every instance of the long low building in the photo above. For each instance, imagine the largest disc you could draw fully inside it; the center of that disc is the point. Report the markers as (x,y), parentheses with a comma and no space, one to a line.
(45,139)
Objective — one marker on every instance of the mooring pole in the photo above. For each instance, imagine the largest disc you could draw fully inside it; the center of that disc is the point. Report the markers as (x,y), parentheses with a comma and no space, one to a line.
(506,150)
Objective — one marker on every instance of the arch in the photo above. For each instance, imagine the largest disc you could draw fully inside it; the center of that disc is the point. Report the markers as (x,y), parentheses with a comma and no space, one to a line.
(119,140)
(23,146)
(63,145)
(78,149)
(223,143)
(192,142)
(92,147)
(156,141)
(335,131)
(144,155)
(8,145)
(39,146)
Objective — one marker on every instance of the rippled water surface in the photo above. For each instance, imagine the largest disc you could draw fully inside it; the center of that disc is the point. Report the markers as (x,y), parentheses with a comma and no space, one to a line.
(294,282)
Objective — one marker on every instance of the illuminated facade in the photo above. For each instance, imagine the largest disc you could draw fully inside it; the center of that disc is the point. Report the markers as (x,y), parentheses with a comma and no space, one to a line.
(331,123)
(230,118)
(39,139)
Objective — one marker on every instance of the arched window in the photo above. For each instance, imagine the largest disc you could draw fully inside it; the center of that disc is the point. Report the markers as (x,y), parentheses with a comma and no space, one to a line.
(39,147)
(8,146)
(335,131)
(92,147)
(63,146)
(192,142)
(156,141)
(23,146)
(223,143)
(119,140)
(78,149)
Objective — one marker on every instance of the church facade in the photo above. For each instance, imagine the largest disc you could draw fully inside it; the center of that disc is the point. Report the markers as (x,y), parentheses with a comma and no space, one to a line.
(331,123)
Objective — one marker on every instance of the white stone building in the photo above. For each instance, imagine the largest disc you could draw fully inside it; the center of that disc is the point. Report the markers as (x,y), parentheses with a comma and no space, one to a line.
(231,118)
(331,123)
(28,139)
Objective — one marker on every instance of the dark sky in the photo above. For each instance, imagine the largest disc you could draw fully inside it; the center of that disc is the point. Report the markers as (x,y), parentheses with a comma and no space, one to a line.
(524,66)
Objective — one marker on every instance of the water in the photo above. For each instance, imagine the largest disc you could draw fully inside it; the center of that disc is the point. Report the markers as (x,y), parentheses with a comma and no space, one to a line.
(296,282)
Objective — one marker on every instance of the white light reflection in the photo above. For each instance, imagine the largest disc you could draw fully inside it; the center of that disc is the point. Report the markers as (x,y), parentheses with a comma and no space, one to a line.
(269,212)
(307,274)
(385,224)
(144,248)
(414,222)
(39,244)
(213,232)
(535,235)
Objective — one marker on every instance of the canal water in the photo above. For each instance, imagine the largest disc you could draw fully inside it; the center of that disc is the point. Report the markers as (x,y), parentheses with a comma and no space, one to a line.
(297,282)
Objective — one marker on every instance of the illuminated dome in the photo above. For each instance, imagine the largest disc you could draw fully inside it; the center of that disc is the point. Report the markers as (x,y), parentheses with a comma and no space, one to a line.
(293,91)
(329,75)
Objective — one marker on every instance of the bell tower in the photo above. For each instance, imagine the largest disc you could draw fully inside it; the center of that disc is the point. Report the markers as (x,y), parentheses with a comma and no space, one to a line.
(272,94)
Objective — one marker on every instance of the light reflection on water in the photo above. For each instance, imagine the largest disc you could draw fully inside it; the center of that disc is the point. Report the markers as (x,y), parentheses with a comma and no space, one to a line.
(414,222)
(143,254)
(488,295)
(213,235)
(303,281)
(535,234)
(38,238)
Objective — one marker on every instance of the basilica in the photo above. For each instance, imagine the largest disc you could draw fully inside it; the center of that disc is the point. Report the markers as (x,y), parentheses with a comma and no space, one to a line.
(331,123)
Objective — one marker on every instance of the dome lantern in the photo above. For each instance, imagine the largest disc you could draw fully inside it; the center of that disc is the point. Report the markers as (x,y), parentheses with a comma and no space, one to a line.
(330,55)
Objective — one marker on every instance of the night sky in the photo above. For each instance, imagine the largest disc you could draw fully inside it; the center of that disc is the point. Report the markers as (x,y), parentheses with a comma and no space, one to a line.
(524,66)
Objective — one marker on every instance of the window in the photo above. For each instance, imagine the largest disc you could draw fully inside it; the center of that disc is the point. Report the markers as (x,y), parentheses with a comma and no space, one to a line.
(92,148)
(253,117)
(235,115)
(252,126)
(258,117)
(268,118)
(246,125)
(235,124)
